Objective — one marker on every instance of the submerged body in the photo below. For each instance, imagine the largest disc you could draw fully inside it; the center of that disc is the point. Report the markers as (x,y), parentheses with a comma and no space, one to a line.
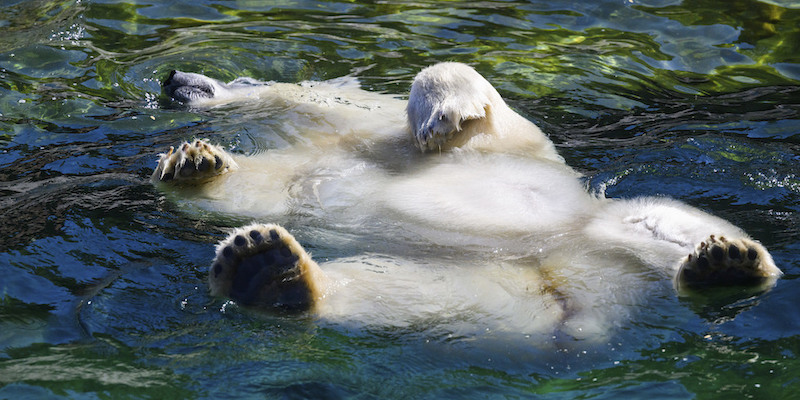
(488,230)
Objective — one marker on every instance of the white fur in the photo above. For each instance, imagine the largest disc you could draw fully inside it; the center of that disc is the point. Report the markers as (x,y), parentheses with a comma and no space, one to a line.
(454,106)
(490,230)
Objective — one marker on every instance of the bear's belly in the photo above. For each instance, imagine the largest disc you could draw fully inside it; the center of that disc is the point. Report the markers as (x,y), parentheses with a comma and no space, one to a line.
(493,194)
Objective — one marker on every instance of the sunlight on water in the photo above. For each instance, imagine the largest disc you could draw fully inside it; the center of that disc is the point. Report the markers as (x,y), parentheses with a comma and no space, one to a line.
(104,279)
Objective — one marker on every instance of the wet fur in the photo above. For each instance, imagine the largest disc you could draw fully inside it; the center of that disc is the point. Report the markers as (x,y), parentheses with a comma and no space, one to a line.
(482,226)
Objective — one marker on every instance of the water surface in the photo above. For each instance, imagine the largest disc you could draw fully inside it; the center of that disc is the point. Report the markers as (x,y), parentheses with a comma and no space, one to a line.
(103,279)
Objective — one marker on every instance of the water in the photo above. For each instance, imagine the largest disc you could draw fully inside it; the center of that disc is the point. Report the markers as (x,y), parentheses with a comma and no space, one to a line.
(103,279)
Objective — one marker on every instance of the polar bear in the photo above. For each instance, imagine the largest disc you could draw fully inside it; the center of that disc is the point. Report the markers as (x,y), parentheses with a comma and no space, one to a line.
(473,221)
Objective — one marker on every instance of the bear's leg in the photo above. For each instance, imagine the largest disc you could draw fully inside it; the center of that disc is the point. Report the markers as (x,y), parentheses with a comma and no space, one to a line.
(262,265)
(726,261)
(192,163)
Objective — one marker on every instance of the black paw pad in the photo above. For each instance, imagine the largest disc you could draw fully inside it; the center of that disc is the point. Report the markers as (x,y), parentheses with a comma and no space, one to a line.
(702,263)
(267,278)
(733,252)
(204,165)
(227,252)
(188,169)
(717,253)
(256,236)
(239,240)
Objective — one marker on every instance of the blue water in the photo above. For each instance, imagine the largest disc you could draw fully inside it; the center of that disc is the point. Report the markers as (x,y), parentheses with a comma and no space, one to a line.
(103,279)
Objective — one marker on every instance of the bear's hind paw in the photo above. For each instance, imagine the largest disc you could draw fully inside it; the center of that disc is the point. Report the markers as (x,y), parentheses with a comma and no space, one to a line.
(192,163)
(264,266)
(721,261)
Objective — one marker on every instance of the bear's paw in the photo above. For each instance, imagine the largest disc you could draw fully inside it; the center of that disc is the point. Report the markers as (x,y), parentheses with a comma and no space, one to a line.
(725,261)
(262,265)
(193,162)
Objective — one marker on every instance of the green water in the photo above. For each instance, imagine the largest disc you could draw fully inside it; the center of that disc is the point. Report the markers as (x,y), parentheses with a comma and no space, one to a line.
(103,280)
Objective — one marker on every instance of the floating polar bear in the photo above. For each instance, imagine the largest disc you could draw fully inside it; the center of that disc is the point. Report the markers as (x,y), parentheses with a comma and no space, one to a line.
(489,229)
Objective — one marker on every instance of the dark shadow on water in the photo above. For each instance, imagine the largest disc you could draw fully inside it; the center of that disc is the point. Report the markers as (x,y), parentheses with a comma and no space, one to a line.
(718,305)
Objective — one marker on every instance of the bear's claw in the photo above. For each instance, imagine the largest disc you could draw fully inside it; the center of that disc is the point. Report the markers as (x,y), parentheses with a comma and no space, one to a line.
(721,261)
(264,266)
(192,162)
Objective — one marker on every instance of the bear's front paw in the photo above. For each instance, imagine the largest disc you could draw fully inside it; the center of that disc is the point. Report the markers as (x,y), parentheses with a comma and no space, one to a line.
(264,266)
(721,261)
(192,163)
